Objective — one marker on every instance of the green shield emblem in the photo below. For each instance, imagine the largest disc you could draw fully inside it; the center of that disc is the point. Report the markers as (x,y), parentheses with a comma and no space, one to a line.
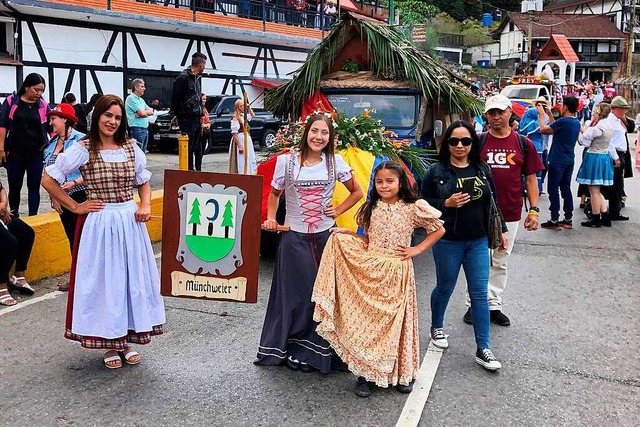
(210,225)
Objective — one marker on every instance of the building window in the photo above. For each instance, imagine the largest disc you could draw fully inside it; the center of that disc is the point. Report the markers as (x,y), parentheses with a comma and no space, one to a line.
(589,48)
(511,27)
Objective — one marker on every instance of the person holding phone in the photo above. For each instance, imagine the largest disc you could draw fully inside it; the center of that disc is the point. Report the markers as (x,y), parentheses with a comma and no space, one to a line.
(461,186)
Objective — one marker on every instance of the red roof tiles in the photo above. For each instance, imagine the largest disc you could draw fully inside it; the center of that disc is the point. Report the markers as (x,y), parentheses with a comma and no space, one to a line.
(559,43)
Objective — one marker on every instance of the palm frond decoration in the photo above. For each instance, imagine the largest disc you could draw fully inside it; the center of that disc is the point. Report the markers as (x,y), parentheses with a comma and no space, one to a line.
(391,57)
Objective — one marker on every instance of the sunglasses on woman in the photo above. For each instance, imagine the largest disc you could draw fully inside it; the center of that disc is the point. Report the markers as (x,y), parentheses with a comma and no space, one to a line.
(453,142)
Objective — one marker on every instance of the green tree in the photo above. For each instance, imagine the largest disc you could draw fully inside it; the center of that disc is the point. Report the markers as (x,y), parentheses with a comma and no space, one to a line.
(195,215)
(474,33)
(415,11)
(454,8)
(227,218)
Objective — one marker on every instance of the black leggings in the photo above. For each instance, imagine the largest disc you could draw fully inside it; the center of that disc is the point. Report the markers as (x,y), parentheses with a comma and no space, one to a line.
(15,176)
(16,243)
(68,218)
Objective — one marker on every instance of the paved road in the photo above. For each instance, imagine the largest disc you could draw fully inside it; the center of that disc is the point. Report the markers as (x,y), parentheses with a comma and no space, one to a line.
(571,356)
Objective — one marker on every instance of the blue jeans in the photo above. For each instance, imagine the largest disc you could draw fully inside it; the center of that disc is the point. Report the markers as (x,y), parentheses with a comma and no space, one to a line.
(473,256)
(141,135)
(560,177)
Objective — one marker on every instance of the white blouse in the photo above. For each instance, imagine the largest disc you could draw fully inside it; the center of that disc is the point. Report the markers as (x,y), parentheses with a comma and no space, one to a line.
(309,173)
(77,156)
(305,207)
(235,124)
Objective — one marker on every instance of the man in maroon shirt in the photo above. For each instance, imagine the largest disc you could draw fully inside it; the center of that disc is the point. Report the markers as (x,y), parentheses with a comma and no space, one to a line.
(503,154)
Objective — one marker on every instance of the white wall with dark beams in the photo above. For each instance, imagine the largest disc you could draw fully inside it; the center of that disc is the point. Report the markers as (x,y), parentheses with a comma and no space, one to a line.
(87,59)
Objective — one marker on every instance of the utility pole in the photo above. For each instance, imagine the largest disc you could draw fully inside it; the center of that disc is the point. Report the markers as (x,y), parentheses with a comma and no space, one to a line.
(631,23)
(530,14)
(392,12)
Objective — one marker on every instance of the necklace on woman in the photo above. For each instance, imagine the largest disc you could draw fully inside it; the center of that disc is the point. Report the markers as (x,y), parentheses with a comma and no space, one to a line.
(308,163)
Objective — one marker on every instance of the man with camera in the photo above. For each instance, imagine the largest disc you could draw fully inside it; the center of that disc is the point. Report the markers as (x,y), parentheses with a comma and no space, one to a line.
(187,107)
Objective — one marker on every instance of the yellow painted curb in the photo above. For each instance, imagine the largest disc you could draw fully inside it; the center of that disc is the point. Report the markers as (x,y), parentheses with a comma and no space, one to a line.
(51,255)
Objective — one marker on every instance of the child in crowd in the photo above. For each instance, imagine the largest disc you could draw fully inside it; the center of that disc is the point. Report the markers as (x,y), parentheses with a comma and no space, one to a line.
(308,176)
(365,292)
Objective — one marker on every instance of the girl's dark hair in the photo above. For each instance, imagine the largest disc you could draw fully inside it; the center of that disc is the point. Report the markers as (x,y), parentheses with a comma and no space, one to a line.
(329,150)
(103,104)
(32,79)
(406,193)
(445,153)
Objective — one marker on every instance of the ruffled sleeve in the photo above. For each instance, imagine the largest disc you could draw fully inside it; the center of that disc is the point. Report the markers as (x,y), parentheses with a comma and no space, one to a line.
(281,169)
(343,171)
(235,126)
(426,216)
(143,175)
(68,162)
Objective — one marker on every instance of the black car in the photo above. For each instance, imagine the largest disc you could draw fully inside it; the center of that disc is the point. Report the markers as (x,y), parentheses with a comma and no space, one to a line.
(163,134)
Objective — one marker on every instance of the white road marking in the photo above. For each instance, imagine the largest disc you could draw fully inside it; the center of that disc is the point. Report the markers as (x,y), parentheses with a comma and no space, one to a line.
(44,297)
(20,305)
(414,405)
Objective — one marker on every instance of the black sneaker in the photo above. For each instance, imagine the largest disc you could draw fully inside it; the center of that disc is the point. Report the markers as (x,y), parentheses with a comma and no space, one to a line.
(438,338)
(567,224)
(594,222)
(499,318)
(293,363)
(405,388)
(467,317)
(362,387)
(486,359)
(306,368)
(551,225)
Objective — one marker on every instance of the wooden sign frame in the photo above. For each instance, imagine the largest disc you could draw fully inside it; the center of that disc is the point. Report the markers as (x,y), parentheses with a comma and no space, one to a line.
(212,257)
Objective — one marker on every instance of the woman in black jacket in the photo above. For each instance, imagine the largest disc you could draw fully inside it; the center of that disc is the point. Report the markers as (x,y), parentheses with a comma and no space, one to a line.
(23,135)
(461,187)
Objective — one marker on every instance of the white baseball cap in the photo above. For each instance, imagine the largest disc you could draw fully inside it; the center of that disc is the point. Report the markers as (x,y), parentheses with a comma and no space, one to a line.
(500,102)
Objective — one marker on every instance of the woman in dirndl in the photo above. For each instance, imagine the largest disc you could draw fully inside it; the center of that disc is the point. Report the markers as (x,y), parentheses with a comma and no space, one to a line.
(236,148)
(596,169)
(114,293)
(308,177)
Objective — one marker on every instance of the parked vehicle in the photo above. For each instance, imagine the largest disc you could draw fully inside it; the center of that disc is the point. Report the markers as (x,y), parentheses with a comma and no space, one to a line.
(163,134)
(524,90)
(398,109)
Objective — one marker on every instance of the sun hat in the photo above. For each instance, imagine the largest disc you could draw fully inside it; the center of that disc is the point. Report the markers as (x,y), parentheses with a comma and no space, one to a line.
(541,100)
(500,102)
(65,111)
(619,102)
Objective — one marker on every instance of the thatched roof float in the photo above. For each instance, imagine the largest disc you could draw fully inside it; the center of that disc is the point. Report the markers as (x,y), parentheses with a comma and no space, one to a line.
(391,59)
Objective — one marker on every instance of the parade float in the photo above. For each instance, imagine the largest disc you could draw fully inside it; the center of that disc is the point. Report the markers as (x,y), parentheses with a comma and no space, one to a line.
(389,100)
(524,90)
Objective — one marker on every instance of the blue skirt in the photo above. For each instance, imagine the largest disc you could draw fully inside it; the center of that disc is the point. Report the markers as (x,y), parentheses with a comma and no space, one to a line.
(596,169)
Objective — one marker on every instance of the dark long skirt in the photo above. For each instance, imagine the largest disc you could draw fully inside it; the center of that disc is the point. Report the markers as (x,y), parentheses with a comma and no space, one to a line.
(289,329)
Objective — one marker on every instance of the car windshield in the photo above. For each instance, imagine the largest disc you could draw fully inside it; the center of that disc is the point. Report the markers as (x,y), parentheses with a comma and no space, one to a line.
(520,92)
(212,102)
(395,111)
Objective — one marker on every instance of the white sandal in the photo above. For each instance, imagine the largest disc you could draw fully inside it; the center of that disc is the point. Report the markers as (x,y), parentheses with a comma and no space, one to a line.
(112,359)
(130,355)
(6,298)
(23,289)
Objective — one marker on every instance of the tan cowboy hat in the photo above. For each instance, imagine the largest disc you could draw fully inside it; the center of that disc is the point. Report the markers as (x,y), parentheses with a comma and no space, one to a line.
(541,100)
(619,102)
